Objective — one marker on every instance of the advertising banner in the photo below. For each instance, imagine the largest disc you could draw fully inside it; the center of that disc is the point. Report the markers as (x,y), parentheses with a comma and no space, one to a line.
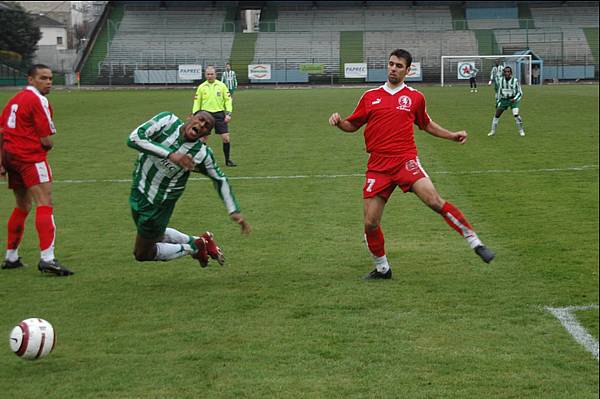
(190,72)
(415,71)
(259,71)
(357,70)
(312,68)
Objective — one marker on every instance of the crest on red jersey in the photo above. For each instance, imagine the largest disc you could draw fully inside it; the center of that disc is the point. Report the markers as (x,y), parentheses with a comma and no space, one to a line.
(404,103)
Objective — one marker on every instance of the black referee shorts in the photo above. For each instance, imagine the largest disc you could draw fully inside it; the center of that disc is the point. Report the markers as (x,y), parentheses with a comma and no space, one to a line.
(220,125)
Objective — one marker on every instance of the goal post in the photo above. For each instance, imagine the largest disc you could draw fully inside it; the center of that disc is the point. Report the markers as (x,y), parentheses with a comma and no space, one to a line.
(450,74)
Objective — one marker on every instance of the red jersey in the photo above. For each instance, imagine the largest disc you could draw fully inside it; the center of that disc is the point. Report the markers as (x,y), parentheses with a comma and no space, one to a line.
(26,118)
(390,116)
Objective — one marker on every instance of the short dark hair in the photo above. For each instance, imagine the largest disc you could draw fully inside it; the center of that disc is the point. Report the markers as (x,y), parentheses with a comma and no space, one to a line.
(509,68)
(402,54)
(207,116)
(32,71)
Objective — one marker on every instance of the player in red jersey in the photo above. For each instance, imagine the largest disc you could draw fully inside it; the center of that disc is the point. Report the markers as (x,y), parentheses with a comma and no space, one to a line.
(389,113)
(25,129)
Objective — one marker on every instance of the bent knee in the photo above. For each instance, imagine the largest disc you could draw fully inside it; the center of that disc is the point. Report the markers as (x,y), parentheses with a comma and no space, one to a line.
(141,256)
(371,225)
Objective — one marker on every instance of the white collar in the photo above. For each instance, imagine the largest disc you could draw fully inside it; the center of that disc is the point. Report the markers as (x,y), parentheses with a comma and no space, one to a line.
(393,91)
(33,89)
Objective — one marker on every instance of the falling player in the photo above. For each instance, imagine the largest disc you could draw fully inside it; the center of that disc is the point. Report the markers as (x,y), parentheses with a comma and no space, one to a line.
(169,150)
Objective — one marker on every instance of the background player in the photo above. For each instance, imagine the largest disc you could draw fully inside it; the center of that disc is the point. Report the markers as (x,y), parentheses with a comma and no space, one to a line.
(473,79)
(508,94)
(229,78)
(389,113)
(25,129)
(169,151)
(496,73)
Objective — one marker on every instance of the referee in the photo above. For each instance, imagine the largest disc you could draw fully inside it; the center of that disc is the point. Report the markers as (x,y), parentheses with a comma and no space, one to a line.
(213,96)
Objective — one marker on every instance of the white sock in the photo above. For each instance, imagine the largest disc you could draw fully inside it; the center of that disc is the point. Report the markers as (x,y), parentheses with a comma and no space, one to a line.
(381,263)
(12,255)
(48,254)
(473,240)
(166,251)
(494,124)
(519,123)
(173,236)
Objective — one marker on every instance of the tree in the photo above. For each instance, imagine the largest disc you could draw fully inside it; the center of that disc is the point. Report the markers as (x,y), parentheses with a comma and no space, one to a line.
(18,33)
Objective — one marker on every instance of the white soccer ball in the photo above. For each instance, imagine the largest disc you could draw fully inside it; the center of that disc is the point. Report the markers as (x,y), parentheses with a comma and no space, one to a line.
(32,339)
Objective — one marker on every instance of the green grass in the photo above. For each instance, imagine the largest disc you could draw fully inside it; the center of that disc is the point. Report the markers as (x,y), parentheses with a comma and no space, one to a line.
(289,316)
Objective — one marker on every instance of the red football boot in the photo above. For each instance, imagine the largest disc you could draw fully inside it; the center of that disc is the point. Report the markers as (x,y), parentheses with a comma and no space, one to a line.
(213,249)
(201,254)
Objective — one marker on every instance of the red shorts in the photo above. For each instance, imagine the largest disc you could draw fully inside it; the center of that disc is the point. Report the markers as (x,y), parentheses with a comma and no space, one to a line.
(26,174)
(384,174)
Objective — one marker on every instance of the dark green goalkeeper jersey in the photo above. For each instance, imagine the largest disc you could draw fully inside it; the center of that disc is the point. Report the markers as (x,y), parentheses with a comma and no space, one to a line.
(160,180)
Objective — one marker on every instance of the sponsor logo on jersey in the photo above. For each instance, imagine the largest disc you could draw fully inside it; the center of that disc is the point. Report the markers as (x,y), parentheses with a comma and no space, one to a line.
(412,166)
(168,168)
(376,101)
(404,103)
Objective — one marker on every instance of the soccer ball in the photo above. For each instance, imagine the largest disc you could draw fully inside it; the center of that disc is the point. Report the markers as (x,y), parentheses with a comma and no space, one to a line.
(32,339)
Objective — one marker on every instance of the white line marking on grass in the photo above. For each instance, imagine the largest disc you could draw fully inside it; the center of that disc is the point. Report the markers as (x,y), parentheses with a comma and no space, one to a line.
(568,320)
(336,176)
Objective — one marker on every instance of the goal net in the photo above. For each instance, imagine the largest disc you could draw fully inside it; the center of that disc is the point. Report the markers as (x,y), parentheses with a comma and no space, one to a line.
(455,69)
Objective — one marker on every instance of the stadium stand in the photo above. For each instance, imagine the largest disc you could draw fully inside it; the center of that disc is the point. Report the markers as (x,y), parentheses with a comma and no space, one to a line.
(568,46)
(148,35)
(189,35)
(565,16)
(391,17)
(492,17)
(150,38)
(286,51)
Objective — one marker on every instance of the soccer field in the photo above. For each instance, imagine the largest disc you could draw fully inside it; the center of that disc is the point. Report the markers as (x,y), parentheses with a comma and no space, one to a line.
(289,315)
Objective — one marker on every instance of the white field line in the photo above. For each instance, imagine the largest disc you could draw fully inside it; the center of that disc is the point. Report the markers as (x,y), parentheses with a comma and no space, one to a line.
(568,320)
(336,176)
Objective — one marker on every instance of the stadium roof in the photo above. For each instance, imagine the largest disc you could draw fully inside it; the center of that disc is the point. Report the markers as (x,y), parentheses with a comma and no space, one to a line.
(45,21)
(534,56)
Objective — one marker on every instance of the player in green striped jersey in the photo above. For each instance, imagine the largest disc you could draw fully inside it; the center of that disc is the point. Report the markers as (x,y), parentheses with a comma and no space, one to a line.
(229,78)
(169,150)
(496,73)
(508,94)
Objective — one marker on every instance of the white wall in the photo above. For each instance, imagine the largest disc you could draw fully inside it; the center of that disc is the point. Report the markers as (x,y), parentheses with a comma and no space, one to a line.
(49,36)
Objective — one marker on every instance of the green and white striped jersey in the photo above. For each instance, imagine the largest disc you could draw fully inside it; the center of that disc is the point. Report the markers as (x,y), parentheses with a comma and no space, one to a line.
(497,72)
(160,180)
(230,79)
(508,89)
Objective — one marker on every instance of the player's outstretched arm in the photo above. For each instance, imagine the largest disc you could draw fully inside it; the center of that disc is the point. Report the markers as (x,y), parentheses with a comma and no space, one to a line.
(438,131)
(336,120)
